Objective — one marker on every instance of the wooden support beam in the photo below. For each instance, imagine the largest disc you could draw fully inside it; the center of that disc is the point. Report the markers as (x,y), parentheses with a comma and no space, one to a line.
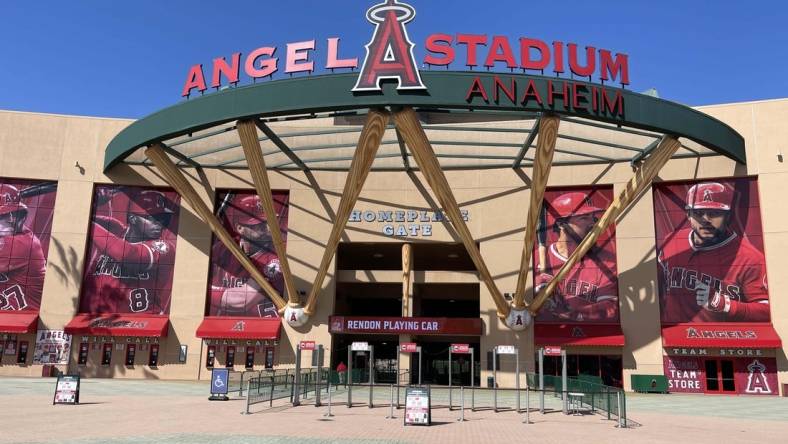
(177,180)
(407,268)
(408,125)
(545,145)
(247,132)
(641,180)
(368,144)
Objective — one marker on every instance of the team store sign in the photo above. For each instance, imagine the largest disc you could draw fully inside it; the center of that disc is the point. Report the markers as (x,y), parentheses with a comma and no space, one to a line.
(752,376)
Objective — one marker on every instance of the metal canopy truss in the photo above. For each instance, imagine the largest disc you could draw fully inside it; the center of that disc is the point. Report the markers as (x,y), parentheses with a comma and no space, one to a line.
(463,140)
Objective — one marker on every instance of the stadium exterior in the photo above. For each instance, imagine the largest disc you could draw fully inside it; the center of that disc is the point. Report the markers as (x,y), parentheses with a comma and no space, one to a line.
(396,265)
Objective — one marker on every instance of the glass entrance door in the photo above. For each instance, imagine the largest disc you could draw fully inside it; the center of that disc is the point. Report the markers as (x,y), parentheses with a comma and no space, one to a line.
(720,376)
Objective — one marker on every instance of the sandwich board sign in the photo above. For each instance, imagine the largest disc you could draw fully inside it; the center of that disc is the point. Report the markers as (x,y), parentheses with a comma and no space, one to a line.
(66,390)
(417,406)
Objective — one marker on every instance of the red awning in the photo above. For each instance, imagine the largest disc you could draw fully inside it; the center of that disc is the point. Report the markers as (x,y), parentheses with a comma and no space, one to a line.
(16,322)
(225,327)
(721,335)
(118,324)
(579,334)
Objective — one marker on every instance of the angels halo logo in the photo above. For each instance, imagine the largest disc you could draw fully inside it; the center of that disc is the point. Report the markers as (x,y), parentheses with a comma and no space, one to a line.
(390,52)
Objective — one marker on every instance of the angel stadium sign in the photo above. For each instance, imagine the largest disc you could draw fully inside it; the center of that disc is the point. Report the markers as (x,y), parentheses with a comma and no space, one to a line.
(390,57)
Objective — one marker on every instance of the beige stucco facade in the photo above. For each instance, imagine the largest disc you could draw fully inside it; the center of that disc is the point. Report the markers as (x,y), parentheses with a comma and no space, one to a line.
(70,150)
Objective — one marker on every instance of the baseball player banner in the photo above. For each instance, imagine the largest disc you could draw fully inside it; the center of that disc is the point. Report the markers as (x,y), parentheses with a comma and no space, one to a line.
(589,292)
(26,209)
(232,291)
(52,347)
(131,253)
(710,252)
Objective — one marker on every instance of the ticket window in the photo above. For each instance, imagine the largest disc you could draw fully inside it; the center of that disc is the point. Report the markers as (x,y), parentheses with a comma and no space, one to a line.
(106,354)
(21,358)
(269,357)
(249,357)
(131,353)
(229,361)
(84,349)
(210,358)
(153,357)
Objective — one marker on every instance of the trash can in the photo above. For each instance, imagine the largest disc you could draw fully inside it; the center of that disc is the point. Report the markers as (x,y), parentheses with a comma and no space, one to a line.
(490,382)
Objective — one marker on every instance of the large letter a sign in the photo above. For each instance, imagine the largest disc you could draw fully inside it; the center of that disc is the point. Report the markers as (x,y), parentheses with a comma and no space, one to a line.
(390,52)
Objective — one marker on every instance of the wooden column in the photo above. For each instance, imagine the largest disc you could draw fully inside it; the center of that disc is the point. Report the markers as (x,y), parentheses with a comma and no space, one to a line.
(176,179)
(368,144)
(642,179)
(247,132)
(407,267)
(408,125)
(545,145)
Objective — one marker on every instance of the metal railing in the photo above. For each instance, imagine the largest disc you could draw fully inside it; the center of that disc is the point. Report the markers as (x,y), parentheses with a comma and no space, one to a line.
(584,395)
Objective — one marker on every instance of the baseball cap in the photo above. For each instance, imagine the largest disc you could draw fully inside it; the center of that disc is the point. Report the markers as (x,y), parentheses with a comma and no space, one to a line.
(10,199)
(574,204)
(249,211)
(150,202)
(709,196)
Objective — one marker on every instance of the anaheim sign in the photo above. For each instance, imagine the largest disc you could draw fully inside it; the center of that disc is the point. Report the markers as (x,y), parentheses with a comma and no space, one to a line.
(389,56)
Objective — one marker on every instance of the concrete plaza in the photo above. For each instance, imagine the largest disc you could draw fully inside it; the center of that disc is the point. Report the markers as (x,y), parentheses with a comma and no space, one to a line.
(140,412)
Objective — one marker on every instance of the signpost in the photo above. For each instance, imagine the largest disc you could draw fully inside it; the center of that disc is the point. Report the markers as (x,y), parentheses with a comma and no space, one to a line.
(506,350)
(359,347)
(67,390)
(417,406)
(220,378)
(316,351)
(461,349)
(407,347)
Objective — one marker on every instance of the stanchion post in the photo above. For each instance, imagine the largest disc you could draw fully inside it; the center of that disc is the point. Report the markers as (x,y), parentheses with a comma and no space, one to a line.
(541,380)
(271,396)
(527,403)
(328,414)
(450,405)
(371,373)
(397,374)
(248,398)
(495,379)
(391,403)
(517,375)
(462,403)
(297,380)
(348,379)
(319,378)
(473,382)
(564,382)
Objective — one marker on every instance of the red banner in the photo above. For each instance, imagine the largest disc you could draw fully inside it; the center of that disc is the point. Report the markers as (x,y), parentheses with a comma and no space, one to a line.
(232,291)
(26,209)
(408,347)
(749,376)
(460,348)
(416,326)
(710,252)
(721,335)
(550,350)
(589,292)
(131,254)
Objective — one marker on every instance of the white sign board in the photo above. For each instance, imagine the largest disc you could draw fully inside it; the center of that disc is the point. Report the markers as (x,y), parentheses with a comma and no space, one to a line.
(359,346)
(52,347)
(506,350)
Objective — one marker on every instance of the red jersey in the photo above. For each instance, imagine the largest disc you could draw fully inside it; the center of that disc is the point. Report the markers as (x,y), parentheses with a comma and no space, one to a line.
(733,267)
(589,292)
(126,277)
(22,268)
(227,273)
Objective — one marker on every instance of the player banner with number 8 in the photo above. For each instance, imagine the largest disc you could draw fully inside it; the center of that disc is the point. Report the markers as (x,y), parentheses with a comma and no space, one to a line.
(132,251)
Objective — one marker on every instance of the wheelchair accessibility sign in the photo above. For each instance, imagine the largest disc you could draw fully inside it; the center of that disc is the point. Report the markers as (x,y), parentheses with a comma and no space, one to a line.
(219,381)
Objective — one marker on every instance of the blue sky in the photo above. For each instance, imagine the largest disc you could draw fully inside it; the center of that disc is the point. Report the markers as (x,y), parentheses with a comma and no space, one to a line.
(129,59)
